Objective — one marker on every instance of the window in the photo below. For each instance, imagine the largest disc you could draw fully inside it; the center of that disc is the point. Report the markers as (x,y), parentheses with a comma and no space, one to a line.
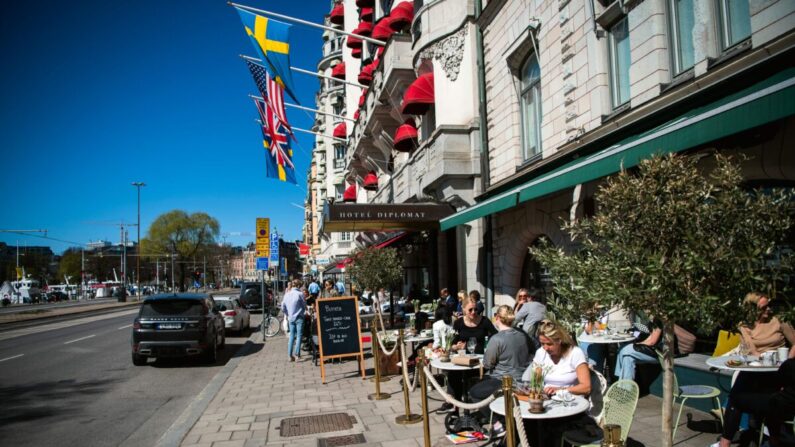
(735,22)
(682,27)
(530,101)
(346,236)
(339,152)
(619,62)
(338,191)
(428,124)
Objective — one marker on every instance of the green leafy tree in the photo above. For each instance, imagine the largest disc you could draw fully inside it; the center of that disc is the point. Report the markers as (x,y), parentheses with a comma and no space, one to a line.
(675,244)
(374,268)
(71,262)
(188,236)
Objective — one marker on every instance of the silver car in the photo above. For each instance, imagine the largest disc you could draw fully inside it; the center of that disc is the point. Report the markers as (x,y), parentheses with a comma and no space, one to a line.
(236,317)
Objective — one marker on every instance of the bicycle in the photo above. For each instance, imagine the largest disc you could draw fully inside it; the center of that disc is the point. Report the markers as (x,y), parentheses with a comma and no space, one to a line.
(271,324)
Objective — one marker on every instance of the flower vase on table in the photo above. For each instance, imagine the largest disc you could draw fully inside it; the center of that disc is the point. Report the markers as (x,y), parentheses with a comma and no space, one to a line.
(535,392)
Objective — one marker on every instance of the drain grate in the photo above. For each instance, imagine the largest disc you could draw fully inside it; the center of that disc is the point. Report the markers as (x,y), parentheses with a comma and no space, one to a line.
(341,441)
(310,425)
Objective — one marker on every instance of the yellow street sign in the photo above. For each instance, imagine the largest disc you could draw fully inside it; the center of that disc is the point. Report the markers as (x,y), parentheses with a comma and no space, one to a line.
(263,230)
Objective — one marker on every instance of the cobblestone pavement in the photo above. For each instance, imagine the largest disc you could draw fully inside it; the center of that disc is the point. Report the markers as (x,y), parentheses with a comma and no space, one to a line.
(265,388)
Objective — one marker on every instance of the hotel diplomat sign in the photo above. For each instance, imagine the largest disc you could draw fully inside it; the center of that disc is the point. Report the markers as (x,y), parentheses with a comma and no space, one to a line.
(376,217)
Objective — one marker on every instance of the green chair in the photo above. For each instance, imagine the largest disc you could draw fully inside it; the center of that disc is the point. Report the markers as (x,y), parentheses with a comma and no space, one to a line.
(619,409)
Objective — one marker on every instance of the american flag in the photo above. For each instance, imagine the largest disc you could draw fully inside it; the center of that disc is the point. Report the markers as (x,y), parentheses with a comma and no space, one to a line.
(271,91)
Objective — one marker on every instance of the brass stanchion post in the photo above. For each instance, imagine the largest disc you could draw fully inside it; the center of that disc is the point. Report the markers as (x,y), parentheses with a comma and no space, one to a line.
(409,417)
(376,356)
(507,394)
(426,421)
(378,395)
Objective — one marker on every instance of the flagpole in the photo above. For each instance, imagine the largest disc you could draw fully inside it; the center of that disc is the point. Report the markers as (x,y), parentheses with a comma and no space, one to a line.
(295,106)
(311,132)
(311,73)
(304,22)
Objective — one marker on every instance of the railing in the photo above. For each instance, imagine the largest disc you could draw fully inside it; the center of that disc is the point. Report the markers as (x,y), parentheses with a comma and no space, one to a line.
(339,163)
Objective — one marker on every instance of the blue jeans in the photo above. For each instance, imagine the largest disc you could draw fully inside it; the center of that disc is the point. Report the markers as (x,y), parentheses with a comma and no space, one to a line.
(627,358)
(596,354)
(296,329)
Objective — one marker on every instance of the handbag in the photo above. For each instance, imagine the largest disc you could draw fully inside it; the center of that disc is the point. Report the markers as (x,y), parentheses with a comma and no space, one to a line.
(645,349)
(285,326)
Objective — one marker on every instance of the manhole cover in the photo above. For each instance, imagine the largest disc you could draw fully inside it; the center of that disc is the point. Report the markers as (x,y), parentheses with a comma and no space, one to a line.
(309,425)
(341,441)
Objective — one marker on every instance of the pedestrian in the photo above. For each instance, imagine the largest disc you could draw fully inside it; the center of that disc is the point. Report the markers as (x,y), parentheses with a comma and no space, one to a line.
(475,295)
(293,308)
(329,290)
(450,301)
(529,311)
(314,289)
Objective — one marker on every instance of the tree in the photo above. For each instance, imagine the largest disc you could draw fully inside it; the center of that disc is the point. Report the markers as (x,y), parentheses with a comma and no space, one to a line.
(178,233)
(70,265)
(673,243)
(372,268)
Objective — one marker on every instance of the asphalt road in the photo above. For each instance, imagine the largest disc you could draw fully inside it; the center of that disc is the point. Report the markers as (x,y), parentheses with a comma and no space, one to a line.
(16,308)
(76,385)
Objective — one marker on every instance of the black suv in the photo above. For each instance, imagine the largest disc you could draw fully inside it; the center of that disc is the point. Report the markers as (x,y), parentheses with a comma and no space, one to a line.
(250,295)
(177,325)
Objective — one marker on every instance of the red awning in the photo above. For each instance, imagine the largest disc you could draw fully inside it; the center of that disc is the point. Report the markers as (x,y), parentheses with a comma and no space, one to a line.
(402,16)
(364,28)
(366,75)
(419,96)
(350,193)
(380,51)
(383,29)
(341,130)
(370,181)
(337,15)
(356,53)
(338,71)
(366,14)
(363,97)
(391,241)
(356,115)
(406,137)
(363,3)
(353,42)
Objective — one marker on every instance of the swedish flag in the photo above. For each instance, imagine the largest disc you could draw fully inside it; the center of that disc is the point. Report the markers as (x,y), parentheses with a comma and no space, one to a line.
(271,39)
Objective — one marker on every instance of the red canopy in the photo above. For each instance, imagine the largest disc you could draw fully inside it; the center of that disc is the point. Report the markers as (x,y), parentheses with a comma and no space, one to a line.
(337,15)
(402,16)
(380,51)
(419,97)
(338,71)
(356,115)
(370,181)
(366,75)
(362,98)
(383,29)
(341,130)
(363,3)
(353,42)
(364,28)
(366,14)
(350,193)
(356,53)
(406,137)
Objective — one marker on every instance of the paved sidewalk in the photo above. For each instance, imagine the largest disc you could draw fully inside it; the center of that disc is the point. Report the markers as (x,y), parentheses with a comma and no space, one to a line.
(266,388)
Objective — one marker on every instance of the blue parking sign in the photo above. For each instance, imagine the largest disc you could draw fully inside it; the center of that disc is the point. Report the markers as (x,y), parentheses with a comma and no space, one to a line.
(262,263)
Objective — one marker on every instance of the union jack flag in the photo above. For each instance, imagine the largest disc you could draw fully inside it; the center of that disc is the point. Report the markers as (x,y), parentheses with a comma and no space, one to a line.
(279,163)
(271,91)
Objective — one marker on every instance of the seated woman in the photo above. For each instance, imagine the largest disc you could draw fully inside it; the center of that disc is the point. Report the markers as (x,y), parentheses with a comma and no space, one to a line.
(567,369)
(471,325)
(443,324)
(751,390)
(508,353)
(642,351)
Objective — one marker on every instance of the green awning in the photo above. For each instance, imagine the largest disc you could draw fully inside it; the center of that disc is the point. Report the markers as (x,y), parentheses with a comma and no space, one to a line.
(764,102)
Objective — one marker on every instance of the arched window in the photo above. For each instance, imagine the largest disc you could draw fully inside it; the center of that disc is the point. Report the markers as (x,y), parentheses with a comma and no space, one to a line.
(530,101)
(534,275)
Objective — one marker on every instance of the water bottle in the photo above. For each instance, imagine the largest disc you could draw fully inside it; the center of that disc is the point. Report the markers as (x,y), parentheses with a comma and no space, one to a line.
(486,343)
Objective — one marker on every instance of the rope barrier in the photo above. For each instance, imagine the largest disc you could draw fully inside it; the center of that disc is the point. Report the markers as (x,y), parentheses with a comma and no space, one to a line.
(452,400)
(381,343)
(517,416)
(405,369)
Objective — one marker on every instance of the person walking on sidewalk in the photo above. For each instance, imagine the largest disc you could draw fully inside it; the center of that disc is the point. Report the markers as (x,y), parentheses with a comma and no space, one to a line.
(293,308)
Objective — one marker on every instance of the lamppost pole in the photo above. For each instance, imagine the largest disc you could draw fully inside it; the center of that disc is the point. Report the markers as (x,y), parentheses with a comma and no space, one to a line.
(138,249)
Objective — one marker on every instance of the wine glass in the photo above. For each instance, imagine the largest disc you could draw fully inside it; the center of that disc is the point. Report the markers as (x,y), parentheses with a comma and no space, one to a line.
(471,343)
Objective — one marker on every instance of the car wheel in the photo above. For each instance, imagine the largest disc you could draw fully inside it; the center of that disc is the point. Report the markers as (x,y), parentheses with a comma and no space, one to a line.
(138,360)
(211,355)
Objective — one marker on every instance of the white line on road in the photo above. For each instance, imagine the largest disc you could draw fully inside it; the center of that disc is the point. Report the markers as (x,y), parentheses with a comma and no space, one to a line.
(12,357)
(124,327)
(81,338)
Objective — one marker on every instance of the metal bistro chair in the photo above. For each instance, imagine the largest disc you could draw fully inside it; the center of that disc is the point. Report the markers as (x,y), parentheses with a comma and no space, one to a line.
(619,409)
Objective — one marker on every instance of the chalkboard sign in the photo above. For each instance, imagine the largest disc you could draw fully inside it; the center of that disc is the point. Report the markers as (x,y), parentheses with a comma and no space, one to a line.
(339,330)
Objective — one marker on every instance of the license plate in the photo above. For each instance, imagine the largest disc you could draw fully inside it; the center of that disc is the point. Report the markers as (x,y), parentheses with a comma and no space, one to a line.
(169,326)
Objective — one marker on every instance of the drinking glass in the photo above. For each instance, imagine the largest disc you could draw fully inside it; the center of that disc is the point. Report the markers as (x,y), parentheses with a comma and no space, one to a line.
(471,343)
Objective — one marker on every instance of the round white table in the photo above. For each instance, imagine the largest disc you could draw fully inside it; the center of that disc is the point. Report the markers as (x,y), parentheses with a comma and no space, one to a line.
(418,339)
(720,363)
(450,366)
(553,408)
(605,339)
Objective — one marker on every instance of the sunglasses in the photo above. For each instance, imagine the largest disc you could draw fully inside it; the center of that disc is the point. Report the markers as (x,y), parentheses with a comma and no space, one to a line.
(523,295)
(470,310)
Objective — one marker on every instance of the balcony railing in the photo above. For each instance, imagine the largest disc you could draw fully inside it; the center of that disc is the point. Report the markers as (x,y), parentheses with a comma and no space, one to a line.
(339,163)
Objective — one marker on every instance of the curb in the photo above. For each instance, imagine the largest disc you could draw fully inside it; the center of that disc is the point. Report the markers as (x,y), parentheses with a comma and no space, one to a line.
(180,428)
(42,319)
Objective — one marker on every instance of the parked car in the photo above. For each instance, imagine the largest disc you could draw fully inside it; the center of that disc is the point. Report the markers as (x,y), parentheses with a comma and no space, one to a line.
(236,318)
(251,295)
(177,325)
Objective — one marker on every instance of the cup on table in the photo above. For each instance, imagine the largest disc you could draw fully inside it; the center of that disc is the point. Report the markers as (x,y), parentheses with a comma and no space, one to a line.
(783,354)
(462,352)
(565,395)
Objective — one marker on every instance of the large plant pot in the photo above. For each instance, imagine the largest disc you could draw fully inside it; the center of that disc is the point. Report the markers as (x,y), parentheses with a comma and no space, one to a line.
(388,364)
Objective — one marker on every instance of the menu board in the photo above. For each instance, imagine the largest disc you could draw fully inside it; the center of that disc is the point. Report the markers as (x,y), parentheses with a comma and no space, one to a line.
(339,329)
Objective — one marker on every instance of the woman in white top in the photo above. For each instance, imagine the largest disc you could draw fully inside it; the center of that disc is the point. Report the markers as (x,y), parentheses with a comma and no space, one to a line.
(568,366)
(442,325)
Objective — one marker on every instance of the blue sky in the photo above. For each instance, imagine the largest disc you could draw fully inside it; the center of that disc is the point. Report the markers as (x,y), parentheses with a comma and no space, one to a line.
(96,94)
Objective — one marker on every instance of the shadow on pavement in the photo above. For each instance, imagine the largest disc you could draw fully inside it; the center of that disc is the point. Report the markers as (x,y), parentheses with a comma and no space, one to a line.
(47,399)
(231,350)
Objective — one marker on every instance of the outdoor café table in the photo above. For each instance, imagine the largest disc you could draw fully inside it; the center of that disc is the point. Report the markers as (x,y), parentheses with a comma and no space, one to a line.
(720,363)
(605,338)
(453,422)
(553,408)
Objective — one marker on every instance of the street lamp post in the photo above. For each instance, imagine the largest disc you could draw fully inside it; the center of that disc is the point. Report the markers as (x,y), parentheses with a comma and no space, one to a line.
(138,250)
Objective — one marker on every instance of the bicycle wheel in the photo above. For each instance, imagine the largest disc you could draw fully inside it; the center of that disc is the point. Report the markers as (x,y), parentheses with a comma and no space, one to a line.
(271,326)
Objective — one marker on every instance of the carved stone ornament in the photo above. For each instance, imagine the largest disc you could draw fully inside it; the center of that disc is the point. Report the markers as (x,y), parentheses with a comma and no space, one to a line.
(448,52)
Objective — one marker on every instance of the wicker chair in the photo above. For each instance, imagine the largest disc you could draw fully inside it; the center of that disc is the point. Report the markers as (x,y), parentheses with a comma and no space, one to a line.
(620,402)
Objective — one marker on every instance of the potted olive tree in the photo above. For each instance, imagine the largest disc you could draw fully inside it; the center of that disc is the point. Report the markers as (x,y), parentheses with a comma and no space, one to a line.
(671,241)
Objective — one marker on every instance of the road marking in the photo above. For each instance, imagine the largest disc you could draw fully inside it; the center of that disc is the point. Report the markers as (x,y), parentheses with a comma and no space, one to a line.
(81,338)
(124,327)
(12,357)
